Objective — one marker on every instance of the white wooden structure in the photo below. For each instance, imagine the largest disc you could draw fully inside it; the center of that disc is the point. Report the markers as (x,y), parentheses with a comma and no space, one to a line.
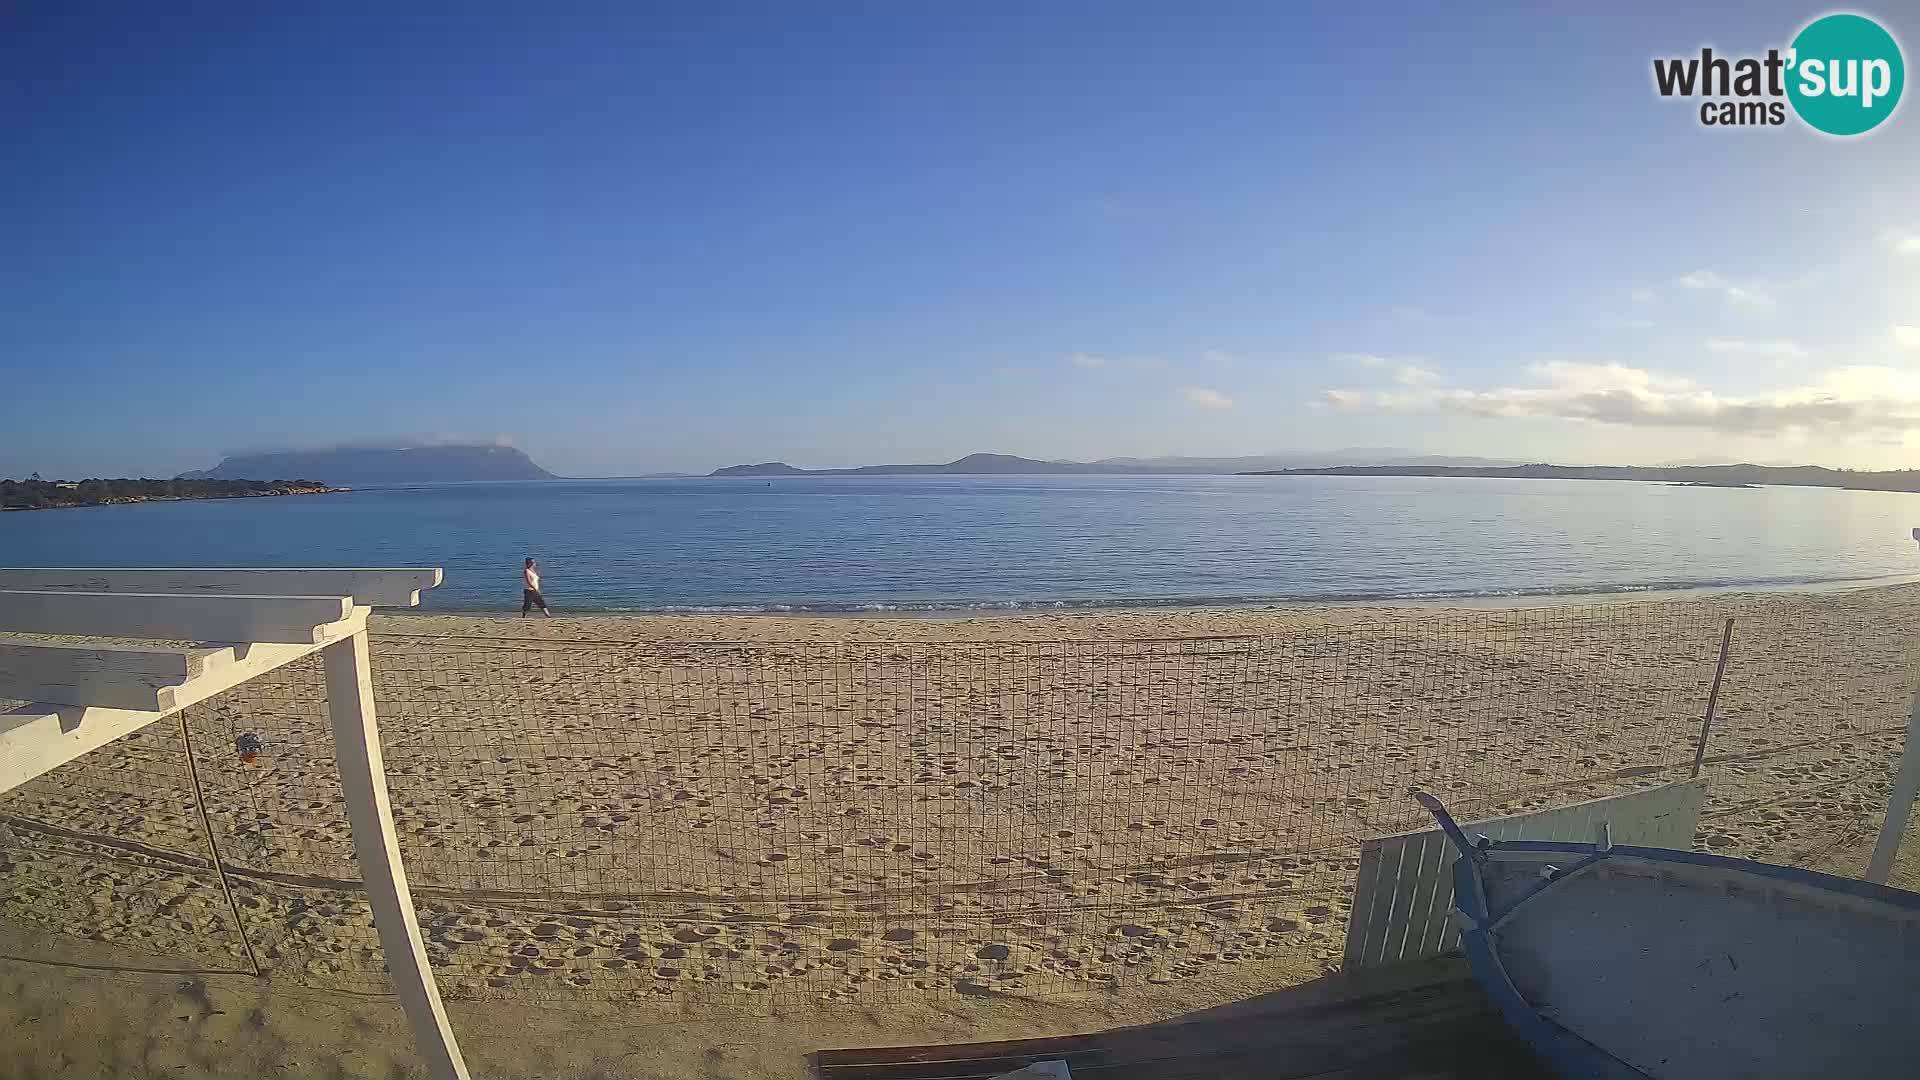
(84,694)
(1403,891)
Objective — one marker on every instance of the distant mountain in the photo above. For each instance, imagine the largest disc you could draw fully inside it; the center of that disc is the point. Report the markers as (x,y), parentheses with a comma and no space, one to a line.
(1742,475)
(1302,459)
(765,468)
(361,467)
(974,464)
(1721,460)
(1006,464)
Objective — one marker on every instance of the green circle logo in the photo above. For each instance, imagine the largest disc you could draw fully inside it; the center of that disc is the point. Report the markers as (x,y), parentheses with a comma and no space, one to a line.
(1845,74)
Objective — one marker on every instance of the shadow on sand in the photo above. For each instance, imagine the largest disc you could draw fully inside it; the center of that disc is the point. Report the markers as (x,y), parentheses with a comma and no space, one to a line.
(1426,1020)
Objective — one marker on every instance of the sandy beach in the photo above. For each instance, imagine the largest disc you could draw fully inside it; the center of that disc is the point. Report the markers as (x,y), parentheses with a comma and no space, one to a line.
(886,831)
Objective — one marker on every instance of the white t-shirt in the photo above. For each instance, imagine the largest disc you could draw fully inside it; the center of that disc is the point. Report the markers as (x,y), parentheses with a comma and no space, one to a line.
(531,577)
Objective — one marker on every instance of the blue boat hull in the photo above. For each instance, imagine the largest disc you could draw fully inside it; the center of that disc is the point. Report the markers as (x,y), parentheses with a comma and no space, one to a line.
(1622,961)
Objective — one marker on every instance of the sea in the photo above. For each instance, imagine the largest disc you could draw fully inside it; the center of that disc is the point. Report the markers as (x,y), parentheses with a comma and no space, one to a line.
(965,544)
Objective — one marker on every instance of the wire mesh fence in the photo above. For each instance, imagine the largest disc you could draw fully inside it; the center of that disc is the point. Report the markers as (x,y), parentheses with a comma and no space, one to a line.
(767,822)
(1809,729)
(866,820)
(265,754)
(112,847)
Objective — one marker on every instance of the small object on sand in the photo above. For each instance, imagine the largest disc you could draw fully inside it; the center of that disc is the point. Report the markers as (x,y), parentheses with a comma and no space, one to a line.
(248,746)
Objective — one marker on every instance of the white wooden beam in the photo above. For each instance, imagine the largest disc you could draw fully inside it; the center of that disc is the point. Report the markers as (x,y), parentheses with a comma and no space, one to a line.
(173,617)
(37,738)
(376,847)
(109,676)
(396,587)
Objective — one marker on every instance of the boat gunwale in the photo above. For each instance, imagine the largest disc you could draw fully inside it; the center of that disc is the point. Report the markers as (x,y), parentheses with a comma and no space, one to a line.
(1567,1052)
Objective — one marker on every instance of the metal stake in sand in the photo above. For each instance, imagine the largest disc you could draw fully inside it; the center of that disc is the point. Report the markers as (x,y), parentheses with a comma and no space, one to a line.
(1713,696)
(213,851)
(1900,803)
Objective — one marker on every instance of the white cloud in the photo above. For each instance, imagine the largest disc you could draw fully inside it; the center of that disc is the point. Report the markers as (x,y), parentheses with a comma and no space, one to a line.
(1090,362)
(1903,241)
(1859,399)
(1219,358)
(1907,337)
(1739,295)
(1642,296)
(1205,398)
(1416,375)
(1779,350)
(1407,371)
(1628,324)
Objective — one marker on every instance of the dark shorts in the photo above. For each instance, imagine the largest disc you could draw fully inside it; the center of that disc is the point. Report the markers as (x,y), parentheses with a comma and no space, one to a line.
(530,599)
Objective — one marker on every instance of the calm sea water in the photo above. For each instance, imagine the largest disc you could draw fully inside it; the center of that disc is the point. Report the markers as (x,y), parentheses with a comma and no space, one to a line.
(959,543)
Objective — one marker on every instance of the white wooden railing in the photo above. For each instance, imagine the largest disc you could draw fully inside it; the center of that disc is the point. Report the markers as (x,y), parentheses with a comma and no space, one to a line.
(241,623)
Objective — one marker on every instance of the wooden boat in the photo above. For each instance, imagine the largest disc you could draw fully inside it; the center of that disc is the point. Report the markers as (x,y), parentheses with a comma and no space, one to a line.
(1616,961)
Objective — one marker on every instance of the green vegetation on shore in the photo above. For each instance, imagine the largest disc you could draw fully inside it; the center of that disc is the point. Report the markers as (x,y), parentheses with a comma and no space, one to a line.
(51,494)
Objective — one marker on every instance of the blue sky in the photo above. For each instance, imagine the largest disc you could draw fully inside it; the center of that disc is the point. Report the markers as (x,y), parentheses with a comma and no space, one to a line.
(637,242)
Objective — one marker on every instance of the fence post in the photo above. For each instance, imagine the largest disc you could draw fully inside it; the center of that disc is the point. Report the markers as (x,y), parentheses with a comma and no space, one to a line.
(1713,697)
(1900,803)
(376,847)
(213,850)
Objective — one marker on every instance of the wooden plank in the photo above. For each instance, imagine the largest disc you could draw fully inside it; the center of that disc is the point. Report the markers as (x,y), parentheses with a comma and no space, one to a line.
(1439,920)
(1421,898)
(174,616)
(37,738)
(1366,887)
(376,847)
(1385,891)
(1416,869)
(394,587)
(108,676)
(1677,822)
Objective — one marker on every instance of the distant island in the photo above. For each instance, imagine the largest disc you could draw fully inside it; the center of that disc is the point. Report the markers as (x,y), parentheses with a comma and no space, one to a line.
(1007,464)
(372,467)
(1728,476)
(53,494)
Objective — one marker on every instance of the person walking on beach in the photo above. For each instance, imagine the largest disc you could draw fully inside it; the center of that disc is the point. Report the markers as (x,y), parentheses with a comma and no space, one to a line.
(531,598)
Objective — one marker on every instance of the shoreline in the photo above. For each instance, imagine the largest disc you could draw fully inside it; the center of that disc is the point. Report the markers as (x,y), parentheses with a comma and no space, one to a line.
(138,500)
(1036,610)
